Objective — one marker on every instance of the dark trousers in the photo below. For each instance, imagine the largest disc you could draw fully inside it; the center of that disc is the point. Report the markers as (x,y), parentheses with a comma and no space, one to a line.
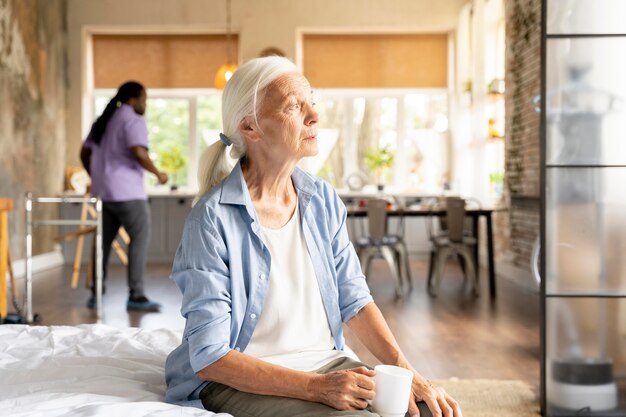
(221,398)
(135,217)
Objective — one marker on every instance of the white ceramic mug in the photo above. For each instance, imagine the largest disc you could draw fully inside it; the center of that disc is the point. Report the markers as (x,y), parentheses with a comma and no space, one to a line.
(393,390)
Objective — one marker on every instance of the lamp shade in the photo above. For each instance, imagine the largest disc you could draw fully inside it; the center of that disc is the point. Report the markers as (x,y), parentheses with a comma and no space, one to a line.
(223,75)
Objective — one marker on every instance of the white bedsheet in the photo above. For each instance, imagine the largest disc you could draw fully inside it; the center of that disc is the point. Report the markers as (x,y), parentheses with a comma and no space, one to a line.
(87,370)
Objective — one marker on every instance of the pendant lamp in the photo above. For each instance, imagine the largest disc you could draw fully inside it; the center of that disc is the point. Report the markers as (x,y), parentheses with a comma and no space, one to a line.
(226,70)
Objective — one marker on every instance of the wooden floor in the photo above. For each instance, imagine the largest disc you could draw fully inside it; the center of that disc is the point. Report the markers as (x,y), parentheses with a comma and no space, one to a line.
(453,335)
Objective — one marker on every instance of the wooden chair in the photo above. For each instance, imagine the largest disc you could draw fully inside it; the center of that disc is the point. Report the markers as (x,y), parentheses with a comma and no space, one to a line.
(79,236)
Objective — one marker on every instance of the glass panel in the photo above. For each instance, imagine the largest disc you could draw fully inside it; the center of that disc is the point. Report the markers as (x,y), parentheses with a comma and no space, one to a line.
(101,103)
(425,146)
(586,101)
(370,139)
(495,158)
(209,121)
(376,121)
(331,142)
(585,230)
(586,356)
(168,125)
(586,16)
(168,130)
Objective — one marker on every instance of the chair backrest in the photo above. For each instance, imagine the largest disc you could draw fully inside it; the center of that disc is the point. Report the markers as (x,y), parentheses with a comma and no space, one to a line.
(455,218)
(377,218)
(434,224)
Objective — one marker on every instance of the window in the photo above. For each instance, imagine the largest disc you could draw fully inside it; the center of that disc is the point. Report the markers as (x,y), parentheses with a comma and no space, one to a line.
(184,111)
(388,102)
(412,124)
(181,125)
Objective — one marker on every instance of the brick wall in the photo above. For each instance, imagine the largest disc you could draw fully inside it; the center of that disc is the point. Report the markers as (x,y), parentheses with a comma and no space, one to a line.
(522,154)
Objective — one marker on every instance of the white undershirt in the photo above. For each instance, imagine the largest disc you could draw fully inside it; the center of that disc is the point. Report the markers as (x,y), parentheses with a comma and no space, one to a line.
(292,330)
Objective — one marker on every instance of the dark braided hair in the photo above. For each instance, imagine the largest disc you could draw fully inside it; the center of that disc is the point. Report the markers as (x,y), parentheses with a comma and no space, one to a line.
(128,90)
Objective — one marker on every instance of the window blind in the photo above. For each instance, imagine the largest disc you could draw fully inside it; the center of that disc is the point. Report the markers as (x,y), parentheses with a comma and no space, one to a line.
(376,60)
(160,61)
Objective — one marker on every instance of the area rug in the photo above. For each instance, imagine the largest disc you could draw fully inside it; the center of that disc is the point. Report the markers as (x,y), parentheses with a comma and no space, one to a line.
(493,398)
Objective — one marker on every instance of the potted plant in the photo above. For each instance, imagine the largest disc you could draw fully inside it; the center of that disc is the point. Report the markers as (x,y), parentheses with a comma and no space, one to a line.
(379,160)
(171,160)
(496,180)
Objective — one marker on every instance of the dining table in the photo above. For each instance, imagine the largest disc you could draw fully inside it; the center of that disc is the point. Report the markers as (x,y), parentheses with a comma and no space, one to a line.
(475,213)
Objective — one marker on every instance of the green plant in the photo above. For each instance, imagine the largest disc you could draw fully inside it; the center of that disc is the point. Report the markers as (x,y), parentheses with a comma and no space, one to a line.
(496,177)
(378,160)
(171,159)
(467,86)
(496,181)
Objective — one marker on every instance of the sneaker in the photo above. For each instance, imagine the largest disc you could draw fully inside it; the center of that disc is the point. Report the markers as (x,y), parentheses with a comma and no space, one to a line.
(91,303)
(142,304)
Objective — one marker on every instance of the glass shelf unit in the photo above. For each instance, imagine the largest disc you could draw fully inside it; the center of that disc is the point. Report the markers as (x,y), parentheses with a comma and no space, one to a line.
(583,222)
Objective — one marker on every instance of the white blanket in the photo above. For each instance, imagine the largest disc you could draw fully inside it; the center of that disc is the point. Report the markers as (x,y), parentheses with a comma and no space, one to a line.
(87,370)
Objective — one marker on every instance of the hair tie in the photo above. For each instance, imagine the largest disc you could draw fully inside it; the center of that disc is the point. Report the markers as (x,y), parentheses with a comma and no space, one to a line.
(225,140)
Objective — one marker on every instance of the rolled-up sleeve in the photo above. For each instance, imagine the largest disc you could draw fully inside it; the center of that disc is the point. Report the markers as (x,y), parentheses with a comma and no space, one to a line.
(201,272)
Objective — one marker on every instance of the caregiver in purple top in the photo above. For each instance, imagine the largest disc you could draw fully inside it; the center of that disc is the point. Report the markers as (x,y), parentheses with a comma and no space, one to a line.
(115,155)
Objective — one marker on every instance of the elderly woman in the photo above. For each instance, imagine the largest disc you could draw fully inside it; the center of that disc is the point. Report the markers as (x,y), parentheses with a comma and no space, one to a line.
(268,274)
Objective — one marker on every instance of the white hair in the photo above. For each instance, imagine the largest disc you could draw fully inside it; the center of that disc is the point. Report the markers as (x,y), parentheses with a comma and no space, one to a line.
(240,99)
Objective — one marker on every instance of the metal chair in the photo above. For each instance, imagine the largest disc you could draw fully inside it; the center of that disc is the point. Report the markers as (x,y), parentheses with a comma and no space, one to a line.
(379,243)
(452,241)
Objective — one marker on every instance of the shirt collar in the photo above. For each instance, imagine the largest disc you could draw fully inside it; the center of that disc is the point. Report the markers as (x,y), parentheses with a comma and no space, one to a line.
(235,190)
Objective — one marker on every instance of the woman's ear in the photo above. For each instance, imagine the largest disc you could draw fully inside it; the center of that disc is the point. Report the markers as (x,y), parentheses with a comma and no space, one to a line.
(249,129)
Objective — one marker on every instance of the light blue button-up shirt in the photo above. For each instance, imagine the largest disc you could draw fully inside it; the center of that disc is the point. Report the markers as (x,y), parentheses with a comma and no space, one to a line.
(222,268)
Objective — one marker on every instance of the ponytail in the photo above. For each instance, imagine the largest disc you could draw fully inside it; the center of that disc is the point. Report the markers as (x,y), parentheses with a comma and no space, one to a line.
(241,97)
(213,167)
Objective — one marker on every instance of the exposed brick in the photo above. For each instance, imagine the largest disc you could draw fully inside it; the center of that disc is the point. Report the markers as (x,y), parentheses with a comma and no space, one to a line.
(522,147)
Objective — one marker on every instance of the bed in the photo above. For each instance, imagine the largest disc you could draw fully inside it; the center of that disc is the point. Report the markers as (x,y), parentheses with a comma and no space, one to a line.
(86,370)
(98,370)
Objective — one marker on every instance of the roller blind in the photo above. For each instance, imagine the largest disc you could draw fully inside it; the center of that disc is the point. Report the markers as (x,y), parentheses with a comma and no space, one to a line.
(160,61)
(376,61)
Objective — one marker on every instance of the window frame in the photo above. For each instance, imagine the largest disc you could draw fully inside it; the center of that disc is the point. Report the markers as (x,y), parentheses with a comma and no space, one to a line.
(348,95)
(191,95)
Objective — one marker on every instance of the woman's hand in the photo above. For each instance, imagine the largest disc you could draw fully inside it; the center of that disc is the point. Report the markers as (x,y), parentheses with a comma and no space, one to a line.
(347,389)
(440,403)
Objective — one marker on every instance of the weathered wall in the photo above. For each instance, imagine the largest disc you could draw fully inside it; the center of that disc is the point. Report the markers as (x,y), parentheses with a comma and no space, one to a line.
(33,89)
(523,77)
